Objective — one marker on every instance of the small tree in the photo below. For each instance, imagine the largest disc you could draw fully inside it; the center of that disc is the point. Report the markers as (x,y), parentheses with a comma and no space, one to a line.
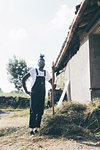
(1,90)
(16,69)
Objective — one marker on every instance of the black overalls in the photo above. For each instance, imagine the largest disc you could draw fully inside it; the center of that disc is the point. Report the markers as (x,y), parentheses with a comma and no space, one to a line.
(37,101)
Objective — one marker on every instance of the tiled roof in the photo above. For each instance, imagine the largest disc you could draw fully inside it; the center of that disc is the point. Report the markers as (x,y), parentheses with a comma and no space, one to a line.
(88,13)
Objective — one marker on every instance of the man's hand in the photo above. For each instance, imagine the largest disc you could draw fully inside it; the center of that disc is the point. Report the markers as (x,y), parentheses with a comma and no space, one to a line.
(54,86)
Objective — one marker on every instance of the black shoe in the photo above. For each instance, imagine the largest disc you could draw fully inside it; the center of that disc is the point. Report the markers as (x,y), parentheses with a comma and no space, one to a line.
(32,133)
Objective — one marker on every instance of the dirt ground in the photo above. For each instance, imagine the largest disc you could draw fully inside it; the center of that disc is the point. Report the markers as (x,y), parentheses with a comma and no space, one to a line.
(20,140)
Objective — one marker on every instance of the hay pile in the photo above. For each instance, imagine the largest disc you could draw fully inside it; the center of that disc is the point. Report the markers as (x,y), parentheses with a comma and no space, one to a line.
(72,120)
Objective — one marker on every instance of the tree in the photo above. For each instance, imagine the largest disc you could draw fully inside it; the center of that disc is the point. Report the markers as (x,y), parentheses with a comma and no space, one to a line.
(16,69)
(1,90)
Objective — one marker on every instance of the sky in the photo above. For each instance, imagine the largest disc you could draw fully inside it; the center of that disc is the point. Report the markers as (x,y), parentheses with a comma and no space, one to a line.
(29,28)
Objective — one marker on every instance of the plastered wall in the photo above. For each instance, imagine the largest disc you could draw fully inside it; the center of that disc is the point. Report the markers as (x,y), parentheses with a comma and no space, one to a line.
(78,73)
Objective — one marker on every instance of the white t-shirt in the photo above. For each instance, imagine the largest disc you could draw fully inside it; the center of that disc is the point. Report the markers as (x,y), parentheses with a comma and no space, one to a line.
(40,73)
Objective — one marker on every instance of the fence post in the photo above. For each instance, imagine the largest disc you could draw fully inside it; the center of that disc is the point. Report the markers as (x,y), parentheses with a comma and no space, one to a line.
(53,87)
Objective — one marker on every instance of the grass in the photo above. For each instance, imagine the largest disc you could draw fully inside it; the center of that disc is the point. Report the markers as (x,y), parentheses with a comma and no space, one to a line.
(14,94)
(9,109)
(15,131)
(71,121)
(21,113)
(73,124)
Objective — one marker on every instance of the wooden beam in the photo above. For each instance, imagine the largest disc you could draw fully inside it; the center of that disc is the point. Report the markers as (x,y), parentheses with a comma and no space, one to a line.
(83,24)
(89,11)
(93,20)
(53,87)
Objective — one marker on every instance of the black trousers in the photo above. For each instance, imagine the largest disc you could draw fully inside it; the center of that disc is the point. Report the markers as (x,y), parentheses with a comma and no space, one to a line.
(36,108)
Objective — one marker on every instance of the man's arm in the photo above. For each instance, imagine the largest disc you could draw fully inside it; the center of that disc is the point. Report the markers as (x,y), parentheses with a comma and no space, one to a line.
(24,82)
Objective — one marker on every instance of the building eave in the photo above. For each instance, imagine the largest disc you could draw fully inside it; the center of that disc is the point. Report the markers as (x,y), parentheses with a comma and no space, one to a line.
(79,24)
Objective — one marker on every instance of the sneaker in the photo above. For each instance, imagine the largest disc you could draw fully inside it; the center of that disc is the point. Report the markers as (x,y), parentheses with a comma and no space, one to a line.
(35,130)
(32,133)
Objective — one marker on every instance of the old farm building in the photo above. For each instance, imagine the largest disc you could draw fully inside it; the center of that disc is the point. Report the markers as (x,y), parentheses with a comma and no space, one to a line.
(79,59)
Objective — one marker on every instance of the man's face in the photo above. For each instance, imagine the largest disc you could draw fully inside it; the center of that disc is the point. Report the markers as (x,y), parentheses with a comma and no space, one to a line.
(41,64)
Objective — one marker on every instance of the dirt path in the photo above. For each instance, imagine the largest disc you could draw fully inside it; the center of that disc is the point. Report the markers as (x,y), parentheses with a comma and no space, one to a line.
(43,143)
(19,140)
(7,121)
(6,114)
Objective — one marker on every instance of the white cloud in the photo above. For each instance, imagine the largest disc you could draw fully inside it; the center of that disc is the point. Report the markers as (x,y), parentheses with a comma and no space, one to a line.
(17,34)
(60,23)
(62,18)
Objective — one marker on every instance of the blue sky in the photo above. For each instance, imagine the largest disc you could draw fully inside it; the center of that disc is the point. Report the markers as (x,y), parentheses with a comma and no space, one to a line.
(31,27)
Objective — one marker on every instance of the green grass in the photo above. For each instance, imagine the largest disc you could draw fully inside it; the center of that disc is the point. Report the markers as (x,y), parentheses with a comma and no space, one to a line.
(21,113)
(9,109)
(14,94)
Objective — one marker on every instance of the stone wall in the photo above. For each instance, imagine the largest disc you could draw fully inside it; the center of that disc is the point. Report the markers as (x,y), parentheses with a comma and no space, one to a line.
(14,102)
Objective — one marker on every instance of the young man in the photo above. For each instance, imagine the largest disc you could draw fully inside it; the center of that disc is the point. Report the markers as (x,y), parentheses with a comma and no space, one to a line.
(37,94)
